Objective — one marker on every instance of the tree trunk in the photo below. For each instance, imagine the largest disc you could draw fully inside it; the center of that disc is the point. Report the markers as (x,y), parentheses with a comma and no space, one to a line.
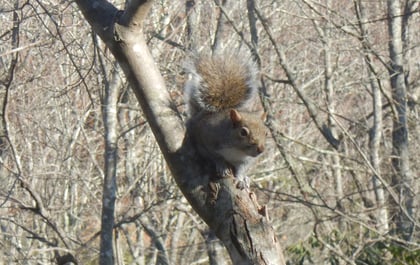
(4,92)
(220,29)
(214,250)
(402,178)
(110,182)
(376,130)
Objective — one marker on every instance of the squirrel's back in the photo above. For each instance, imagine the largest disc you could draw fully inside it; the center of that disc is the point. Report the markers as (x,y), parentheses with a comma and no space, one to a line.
(220,82)
(224,128)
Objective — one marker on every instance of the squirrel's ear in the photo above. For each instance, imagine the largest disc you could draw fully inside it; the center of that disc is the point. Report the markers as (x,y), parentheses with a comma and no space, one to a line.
(235,116)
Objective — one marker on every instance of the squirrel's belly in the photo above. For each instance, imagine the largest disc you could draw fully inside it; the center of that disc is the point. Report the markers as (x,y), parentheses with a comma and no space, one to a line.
(233,155)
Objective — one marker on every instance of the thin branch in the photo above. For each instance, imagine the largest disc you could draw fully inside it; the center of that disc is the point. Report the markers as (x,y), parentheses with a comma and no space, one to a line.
(66,48)
(309,104)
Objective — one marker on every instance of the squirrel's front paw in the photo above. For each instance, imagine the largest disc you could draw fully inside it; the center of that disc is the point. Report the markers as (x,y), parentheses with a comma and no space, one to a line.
(243,182)
(213,194)
(224,172)
(241,185)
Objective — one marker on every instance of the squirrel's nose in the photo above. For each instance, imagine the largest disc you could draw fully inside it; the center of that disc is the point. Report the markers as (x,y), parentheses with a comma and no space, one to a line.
(260,148)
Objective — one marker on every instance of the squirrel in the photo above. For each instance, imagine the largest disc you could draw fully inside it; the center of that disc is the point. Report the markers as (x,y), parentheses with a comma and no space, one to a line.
(219,93)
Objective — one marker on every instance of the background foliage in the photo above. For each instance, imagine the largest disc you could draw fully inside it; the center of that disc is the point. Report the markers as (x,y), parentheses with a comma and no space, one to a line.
(330,177)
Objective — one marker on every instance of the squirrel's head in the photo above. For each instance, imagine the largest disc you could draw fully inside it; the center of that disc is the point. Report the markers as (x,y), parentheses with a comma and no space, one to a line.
(250,132)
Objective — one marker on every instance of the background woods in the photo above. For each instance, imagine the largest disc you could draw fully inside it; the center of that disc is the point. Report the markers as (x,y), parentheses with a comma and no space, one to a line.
(341,85)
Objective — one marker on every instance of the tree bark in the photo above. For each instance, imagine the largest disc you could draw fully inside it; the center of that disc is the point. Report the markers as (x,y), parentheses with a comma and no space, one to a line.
(214,250)
(4,91)
(234,215)
(402,179)
(110,180)
(220,28)
(377,127)
(325,36)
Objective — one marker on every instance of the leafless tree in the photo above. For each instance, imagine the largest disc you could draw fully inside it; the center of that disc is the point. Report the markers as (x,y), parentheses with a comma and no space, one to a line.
(339,179)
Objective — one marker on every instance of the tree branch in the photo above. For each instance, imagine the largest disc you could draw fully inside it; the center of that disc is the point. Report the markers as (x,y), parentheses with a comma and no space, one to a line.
(309,104)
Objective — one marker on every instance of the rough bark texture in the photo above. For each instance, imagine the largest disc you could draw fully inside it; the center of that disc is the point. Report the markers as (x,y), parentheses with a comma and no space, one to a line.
(234,215)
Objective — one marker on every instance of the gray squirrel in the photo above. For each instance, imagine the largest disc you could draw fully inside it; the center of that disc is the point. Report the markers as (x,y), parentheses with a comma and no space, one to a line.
(220,92)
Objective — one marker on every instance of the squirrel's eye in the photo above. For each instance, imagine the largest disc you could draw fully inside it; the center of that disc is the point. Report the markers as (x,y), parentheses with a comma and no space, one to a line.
(244,131)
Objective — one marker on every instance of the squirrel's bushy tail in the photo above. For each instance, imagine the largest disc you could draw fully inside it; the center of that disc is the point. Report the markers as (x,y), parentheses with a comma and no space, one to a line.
(219,82)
